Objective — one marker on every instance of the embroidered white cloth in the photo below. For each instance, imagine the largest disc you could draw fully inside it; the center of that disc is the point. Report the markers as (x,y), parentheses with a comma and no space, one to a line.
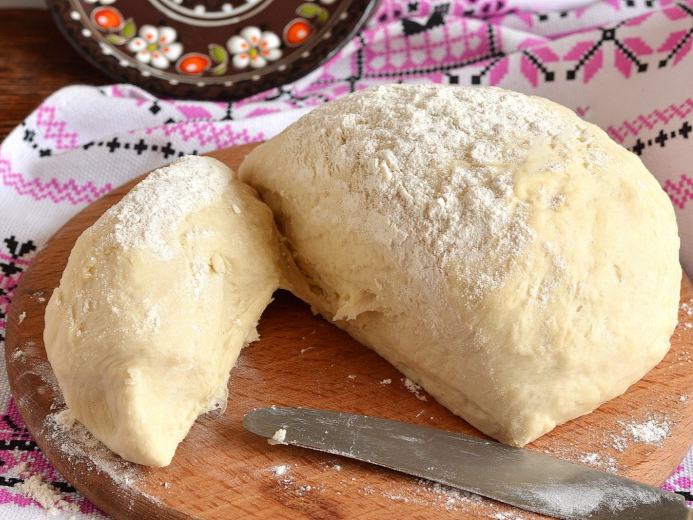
(625,65)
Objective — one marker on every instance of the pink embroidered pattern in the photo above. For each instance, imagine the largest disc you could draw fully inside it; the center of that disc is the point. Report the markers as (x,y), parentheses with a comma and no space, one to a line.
(624,53)
(677,482)
(674,13)
(207,134)
(628,52)
(19,454)
(533,62)
(262,111)
(582,111)
(678,44)
(193,111)
(388,52)
(9,279)
(55,130)
(589,55)
(649,121)
(497,71)
(54,190)
(681,192)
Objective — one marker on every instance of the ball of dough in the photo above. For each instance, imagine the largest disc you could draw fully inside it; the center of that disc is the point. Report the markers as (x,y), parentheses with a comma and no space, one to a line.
(157,299)
(497,249)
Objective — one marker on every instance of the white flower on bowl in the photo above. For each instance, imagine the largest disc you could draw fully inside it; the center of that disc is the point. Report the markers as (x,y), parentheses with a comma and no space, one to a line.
(254,47)
(157,46)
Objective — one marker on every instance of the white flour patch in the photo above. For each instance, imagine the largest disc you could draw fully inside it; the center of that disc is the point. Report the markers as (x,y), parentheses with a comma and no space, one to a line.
(653,430)
(599,461)
(280,471)
(77,443)
(650,432)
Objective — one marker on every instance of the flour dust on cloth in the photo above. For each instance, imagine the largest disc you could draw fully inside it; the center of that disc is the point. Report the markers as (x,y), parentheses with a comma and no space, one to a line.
(620,64)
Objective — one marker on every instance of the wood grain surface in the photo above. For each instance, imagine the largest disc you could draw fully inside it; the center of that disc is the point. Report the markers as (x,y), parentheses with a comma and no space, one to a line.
(35,61)
(220,471)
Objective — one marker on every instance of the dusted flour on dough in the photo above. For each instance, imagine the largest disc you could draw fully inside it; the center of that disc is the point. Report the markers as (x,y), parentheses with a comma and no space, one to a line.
(501,252)
(157,299)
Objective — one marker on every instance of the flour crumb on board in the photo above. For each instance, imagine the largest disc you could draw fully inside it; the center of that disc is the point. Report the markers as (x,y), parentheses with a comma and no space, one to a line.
(619,442)
(687,308)
(385,382)
(78,444)
(66,418)
(46,495)
(351,376)
(603,462)
(652,430)
(414,388)
(590,458)
(280,471)
(595,450)
(649,432)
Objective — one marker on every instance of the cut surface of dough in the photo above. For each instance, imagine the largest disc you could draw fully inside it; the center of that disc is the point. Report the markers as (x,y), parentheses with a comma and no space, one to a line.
(497,249)
(155,304)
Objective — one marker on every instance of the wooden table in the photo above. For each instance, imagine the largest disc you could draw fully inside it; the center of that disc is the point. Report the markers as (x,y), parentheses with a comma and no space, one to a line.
(35,61)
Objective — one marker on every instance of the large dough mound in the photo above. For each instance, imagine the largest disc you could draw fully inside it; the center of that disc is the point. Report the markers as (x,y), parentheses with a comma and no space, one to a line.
(157,299)
(494,247)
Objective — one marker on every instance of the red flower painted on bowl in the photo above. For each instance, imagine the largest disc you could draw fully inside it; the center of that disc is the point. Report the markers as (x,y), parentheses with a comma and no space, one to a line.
(296,32)
(107,18)
(193,64)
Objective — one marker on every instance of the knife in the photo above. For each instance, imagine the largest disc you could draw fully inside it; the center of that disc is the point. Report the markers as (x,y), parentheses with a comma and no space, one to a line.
(519,477)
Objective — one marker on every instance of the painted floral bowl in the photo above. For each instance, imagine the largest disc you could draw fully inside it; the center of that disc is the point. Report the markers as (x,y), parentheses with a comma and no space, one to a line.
(214,49)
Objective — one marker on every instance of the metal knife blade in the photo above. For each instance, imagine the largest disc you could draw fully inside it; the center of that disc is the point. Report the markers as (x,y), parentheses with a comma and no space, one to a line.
(515,476)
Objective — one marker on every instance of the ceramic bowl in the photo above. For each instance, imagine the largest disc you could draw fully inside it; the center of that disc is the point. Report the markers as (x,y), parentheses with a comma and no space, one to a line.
(214,49)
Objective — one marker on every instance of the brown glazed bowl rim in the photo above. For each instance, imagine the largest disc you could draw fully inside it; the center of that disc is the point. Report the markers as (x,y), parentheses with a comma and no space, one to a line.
(113,38)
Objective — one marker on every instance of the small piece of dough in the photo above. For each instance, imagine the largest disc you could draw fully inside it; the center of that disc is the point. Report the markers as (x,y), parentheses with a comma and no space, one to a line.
(155,304)
(497,249)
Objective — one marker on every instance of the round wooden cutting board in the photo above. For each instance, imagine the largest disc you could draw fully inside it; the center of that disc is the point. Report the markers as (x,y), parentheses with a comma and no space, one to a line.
(221,471)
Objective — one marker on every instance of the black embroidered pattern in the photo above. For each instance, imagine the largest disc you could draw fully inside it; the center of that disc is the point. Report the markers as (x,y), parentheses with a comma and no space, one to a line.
(13,261)
(683,41)
(662,138)
(411,27)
